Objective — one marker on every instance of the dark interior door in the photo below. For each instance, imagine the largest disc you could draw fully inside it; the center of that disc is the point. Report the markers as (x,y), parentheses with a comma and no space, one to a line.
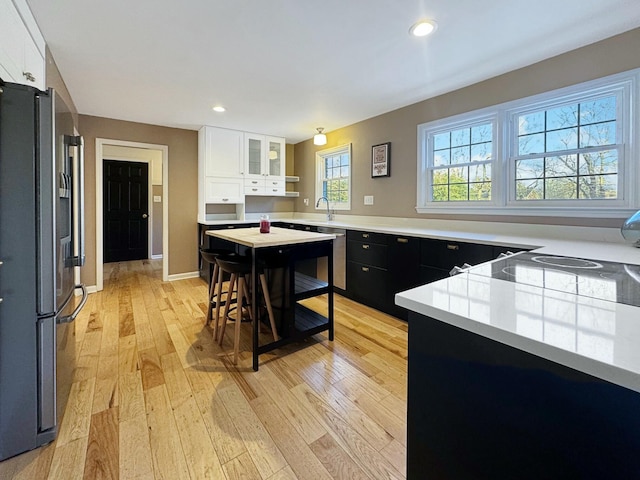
(126,204)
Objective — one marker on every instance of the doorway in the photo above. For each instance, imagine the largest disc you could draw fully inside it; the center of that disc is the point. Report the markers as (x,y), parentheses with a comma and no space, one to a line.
(126,210)
(158,187)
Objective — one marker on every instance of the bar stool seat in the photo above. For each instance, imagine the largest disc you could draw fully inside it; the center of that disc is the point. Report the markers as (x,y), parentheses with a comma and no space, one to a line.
(209,256)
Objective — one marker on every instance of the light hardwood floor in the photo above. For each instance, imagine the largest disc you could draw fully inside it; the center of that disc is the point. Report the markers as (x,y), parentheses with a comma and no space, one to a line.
(155,398)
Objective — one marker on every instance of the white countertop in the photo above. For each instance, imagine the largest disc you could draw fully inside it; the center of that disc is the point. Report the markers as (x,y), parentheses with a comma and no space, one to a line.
(601,338)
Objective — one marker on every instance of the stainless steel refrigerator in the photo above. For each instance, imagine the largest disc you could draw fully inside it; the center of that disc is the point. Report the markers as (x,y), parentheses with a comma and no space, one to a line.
(41,243)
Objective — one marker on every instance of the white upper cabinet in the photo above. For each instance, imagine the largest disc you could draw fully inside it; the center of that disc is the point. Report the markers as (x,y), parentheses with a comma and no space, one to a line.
(21,46)
(264,156)
(264,170)
(223,152)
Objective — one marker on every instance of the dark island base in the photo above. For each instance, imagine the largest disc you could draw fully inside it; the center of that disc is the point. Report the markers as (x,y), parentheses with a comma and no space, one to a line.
(479,409)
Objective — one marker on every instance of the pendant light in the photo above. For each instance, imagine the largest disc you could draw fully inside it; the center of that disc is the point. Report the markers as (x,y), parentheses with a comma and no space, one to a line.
(320,138)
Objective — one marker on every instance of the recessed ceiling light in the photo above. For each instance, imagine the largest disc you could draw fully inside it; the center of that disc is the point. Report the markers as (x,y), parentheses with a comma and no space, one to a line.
(423,28)
(219,108)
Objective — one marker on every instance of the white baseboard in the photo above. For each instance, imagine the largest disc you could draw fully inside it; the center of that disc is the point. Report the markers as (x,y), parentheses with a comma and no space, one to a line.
(156,257)
(183,276)
(90,289)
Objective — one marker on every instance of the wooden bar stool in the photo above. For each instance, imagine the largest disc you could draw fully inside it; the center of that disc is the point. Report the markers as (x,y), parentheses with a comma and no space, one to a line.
(239,267)
(209,256)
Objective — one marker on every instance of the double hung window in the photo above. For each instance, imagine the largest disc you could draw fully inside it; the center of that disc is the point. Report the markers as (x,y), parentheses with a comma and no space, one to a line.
(333,177)
(567,152)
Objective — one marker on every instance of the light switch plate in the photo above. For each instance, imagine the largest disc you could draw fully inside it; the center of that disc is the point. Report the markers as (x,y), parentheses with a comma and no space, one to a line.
(368,199)
(306,202)
(157,199)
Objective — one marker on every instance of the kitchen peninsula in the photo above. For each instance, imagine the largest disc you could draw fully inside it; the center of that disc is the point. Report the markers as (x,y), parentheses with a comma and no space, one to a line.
(525,367)
(284,248)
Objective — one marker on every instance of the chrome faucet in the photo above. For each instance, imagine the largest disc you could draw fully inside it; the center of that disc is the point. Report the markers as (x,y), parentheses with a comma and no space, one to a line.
(329,214)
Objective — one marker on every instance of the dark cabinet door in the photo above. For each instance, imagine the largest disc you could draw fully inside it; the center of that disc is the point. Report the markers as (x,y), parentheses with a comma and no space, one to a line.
(367,253)
(447,254)
(367,284)
(404,269)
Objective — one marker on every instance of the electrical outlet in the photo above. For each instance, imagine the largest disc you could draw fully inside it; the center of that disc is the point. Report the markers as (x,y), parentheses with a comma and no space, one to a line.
(306,202)
(157,199)
(368,199)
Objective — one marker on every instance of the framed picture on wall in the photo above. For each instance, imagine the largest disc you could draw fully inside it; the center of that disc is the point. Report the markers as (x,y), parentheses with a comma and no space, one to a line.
(381,160)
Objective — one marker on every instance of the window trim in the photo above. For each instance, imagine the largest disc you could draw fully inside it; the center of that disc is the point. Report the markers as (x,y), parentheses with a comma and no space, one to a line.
(320,158)
(626,85)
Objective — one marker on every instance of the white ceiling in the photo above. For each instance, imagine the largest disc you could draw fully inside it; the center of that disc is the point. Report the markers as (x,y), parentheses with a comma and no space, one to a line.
(285,67)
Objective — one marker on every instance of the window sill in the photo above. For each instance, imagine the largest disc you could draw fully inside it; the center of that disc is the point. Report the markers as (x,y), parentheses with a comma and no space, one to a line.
(579,212)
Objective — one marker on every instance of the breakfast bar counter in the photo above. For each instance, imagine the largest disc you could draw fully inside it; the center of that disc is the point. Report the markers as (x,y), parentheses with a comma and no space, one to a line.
(283,248)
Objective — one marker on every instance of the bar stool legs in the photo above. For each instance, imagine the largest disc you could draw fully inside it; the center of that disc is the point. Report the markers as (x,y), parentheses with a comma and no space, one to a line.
(267,301)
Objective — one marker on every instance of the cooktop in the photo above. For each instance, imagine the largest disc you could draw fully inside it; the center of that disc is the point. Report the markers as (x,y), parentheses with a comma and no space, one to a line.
(610,281)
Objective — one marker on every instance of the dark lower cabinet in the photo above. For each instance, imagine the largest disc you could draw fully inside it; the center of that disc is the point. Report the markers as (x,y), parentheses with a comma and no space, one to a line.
(479,409)
(404,269)
(367,284)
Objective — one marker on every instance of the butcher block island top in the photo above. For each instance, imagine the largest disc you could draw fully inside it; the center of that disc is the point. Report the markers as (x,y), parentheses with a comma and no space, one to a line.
(251,237)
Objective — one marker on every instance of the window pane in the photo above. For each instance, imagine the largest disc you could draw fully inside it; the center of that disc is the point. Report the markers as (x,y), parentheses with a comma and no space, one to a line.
(480,191)
(561,166)
(531,123)
(599,186)
(441,141)
(562,117)
(441,157)
(460,155)
(482,133)
(562,139)
(440,176)
(459,192)
(461,137)
(528,144)
(529,190)
(344,160)
(600,110)
(595,163)
(458,175)
(344,172)
(481,152)
(440,193)
(533,168)
(561,188)
(480,173)
(598,134)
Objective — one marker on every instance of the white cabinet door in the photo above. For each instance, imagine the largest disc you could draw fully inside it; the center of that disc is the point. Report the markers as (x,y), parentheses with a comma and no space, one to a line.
(223,152)
(254,152)
(223,190)
(20,59)
(275,157)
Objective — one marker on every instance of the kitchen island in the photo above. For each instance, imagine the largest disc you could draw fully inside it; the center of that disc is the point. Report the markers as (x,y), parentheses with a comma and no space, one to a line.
(531,379)
(284,248)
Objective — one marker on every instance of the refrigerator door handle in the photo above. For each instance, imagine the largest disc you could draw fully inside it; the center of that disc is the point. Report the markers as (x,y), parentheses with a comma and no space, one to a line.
(72,317)
(78,142)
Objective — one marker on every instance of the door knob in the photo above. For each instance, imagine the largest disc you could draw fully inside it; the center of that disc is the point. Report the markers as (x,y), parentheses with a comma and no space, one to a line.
(144,215)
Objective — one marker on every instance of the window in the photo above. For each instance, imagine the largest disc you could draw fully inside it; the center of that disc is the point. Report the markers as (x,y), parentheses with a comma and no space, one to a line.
(333,177)
(566,152)
(459,162)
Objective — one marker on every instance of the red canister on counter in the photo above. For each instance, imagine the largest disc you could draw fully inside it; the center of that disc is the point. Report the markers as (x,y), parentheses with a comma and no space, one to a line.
(265,224)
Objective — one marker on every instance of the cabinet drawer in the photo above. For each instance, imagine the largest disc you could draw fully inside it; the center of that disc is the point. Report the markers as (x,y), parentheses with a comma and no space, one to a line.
(254,190)
(366,283)
(368,237)
(446,254)
(371,254)
(223,190)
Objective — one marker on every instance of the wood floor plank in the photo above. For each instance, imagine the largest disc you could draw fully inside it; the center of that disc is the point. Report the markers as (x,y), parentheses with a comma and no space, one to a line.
(202,460)
(130,396)
(292,445)
(396,454)
(166,450)
(150,368)
(68,460)
(261,447)
(285,474)
(102,462)
(135,449)
(77,415)
(31,465)
(339,464)
(241,468)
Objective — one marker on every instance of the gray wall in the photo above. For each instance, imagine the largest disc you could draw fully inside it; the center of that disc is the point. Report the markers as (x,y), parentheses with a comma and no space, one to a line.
(396,195)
